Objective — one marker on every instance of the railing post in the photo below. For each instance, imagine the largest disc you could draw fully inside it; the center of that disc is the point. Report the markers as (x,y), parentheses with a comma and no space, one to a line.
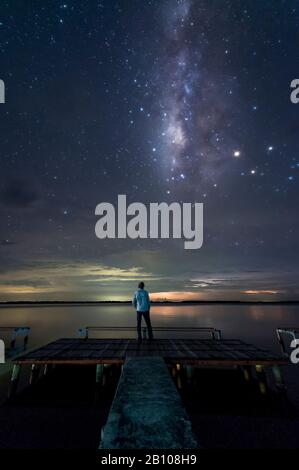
(26,337)
(281,341)
(2,352)
(13,338)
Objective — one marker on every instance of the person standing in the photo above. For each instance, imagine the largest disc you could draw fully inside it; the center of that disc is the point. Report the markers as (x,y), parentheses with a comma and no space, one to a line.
(141,302)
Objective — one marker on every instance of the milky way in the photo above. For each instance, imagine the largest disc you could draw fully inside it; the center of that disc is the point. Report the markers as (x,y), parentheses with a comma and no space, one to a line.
(196,141)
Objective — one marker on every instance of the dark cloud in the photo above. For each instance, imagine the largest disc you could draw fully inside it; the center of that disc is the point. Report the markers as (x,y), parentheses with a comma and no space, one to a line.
(25,282)
(6,243)
(18,193)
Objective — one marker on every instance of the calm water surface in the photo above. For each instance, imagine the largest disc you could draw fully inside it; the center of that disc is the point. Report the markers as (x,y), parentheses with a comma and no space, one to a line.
(255,323)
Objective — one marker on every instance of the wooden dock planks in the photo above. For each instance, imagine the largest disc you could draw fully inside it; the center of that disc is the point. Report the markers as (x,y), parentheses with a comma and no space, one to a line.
(190,351)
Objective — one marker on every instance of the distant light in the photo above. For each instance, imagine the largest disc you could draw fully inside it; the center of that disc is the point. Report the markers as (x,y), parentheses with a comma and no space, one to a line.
(270,148)
(290,178)
(182,176)
(252,172)
(237,153)
(154,149)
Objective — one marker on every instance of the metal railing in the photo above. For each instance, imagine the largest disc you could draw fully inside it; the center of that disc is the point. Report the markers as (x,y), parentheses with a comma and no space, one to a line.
(213,332)
(15,332)
(281,332)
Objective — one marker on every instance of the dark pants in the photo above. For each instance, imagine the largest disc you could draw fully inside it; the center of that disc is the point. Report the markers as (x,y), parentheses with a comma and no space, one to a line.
(146,316)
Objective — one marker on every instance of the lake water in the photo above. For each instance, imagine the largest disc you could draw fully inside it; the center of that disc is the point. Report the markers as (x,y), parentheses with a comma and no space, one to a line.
(253,323)
(236,422)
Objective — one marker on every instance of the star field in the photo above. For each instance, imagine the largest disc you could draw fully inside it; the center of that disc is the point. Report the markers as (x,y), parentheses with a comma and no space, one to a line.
(170,100)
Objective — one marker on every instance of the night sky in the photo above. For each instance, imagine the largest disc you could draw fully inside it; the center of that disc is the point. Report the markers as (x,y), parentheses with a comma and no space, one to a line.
(179,100)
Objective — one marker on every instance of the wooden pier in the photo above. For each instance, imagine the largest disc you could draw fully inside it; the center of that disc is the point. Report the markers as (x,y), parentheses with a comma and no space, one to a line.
(115,351)
(193,352)
(146,397)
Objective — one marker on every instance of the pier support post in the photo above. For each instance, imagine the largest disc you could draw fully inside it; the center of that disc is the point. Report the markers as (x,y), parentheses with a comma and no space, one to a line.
(262,379)
(47,369)
(34,374)
(247,372)
(99,382)
(99,373)
(14,380)
(278,378)
(189,372)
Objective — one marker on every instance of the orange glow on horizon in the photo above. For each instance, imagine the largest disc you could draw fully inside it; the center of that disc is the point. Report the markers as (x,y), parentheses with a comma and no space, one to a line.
(261,292)
(175,296)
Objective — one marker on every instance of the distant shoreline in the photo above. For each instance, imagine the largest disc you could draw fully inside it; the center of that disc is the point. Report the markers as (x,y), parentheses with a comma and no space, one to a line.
(166,302)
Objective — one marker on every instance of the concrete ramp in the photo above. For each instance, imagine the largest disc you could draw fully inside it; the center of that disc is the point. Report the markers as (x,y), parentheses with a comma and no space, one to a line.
(147,411)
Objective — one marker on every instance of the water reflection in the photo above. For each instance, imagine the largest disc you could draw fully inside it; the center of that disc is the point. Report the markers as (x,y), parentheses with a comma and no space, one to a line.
(255,323)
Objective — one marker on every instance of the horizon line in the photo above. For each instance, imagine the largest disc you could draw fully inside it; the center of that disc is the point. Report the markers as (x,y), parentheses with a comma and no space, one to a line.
(199,301)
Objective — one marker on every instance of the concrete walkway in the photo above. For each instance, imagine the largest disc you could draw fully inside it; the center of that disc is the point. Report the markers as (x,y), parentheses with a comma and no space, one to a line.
(147,412)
